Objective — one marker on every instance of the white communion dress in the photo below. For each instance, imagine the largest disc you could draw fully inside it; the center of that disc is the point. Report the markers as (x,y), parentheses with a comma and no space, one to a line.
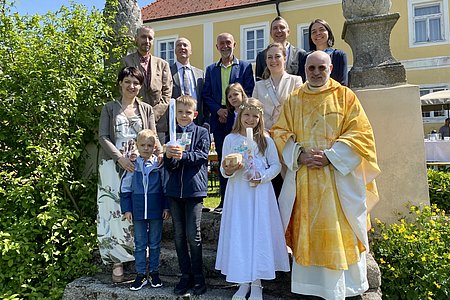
(251,241)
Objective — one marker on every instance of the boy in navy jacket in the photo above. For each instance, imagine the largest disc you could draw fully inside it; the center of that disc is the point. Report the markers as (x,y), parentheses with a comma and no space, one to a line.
(143,203)
(187,185)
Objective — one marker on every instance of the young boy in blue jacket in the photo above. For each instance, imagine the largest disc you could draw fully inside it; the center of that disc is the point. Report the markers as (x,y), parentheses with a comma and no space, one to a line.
(186,187)
(143,203)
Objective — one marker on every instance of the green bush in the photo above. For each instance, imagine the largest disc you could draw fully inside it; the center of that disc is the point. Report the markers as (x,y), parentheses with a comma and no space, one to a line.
(414,255)
(53,83)
(439,188)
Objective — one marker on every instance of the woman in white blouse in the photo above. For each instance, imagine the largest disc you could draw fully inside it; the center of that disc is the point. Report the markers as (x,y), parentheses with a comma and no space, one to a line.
(277,84)
(273,91)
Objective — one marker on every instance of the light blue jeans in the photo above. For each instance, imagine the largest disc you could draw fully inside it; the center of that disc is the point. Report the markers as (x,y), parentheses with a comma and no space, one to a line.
(147,233)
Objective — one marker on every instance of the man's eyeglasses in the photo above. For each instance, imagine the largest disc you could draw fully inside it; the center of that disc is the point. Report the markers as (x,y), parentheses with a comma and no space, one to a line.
(313,68)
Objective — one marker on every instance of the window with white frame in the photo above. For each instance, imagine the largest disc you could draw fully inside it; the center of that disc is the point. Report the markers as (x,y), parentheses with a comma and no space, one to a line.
(165,48)
(428,22)
(254,39)
(303,36)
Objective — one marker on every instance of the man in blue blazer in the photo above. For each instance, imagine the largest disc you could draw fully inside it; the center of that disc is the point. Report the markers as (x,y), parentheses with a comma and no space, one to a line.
(218,76)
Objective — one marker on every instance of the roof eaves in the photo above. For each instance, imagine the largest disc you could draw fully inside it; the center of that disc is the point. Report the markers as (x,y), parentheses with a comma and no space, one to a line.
(205,12)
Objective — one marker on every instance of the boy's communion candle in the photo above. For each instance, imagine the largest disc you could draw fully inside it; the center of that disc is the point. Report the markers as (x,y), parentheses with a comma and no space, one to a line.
(172,121)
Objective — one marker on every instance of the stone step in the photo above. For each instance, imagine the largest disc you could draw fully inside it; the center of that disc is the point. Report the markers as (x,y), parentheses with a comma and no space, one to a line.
(100,287)
(169,262)
(277,289)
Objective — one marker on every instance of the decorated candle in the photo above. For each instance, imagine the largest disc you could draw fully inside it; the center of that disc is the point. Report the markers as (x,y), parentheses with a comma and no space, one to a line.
(172,121)
(250,167)
(249,134)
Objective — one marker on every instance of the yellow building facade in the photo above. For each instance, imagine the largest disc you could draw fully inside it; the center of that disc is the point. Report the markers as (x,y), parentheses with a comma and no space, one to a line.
(420,40)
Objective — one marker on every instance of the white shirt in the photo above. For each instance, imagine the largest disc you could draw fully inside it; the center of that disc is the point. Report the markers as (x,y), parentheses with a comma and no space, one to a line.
(180,68)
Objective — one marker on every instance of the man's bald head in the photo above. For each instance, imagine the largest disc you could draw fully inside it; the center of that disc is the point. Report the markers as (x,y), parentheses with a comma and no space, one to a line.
(318,68)
(225,35)
(319,55)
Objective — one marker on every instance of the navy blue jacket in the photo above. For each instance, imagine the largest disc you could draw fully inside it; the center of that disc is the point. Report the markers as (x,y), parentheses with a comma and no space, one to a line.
(339,61)
(132,193)
(188,177)
(230,121)
(241,72)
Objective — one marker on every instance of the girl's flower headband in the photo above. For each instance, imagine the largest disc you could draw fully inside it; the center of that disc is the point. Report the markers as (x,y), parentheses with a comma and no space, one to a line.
(246,106)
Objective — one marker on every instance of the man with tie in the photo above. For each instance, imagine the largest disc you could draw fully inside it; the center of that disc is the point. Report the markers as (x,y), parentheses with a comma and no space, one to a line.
(187,79)
(157,87)
(218,76)
(279,31)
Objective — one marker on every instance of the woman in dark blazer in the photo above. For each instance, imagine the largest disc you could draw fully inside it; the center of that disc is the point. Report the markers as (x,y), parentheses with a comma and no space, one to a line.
(321,38)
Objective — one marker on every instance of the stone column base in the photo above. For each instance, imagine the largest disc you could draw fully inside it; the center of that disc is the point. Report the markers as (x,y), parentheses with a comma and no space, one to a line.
(396,118)
(377,76)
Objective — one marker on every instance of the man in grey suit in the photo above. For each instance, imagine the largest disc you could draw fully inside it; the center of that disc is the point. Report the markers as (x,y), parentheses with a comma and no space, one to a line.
(157,87)
(279,31)
(187,79)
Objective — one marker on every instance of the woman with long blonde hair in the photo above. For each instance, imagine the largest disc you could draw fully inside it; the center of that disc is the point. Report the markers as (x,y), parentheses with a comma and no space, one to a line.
(274,90)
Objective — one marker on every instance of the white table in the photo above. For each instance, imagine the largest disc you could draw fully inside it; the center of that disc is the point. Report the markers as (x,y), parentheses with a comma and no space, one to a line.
(438,151)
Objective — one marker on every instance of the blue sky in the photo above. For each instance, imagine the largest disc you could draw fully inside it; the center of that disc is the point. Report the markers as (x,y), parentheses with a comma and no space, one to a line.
(43,6)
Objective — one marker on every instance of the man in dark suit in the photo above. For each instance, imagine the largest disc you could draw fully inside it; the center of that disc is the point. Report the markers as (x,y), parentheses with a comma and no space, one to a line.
(279,31)
(187,79)
(218,76)
(157,87)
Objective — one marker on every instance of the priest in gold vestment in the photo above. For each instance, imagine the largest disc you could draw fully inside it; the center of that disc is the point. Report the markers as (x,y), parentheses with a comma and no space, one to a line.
(328,147)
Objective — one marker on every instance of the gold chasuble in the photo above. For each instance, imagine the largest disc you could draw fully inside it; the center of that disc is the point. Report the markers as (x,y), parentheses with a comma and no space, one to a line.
(318,231)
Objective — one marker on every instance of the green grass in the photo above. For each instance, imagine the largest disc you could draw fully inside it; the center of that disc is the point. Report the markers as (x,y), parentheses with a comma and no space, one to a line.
(213,198)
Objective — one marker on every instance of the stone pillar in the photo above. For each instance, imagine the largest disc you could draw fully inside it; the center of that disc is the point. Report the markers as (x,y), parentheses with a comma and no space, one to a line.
(124,17)
(396,118)
(367,31)
(127,15)
(392,106)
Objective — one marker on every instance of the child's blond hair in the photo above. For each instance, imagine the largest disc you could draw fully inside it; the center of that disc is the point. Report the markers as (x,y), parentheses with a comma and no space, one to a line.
(188,101)
(259,134)
(147,134)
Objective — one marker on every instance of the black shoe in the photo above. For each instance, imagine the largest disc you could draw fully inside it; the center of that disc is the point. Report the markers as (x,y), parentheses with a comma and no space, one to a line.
(200,285)
(139,282)
(184,285)
(155,281)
